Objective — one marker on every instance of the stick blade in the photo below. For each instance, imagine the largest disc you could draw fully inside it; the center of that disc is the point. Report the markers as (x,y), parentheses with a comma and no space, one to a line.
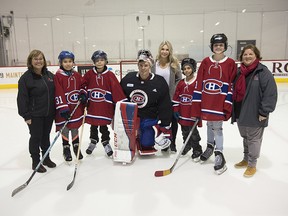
(70,185)
(20,188)
(161,173)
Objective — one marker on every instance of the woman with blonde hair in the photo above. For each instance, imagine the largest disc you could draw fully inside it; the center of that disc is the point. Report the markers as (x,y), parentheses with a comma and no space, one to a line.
(168,67)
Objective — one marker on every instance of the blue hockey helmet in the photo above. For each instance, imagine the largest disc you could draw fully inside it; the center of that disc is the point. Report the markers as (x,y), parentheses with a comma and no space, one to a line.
(65,54)
(218,38)
(99,54)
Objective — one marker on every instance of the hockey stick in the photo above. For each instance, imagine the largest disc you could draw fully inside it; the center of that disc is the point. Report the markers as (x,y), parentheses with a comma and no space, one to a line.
(78,153)
(23,186)
(160,173)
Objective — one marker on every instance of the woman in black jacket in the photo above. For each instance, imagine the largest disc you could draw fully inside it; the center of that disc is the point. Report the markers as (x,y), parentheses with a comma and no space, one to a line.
(35,102)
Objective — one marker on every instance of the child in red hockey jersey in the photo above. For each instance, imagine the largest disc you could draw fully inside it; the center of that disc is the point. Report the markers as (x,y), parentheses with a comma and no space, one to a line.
(212,98)
(67,88)
(182,102)
(103,91)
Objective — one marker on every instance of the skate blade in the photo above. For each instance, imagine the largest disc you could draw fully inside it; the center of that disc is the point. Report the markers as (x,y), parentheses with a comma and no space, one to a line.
(220,171)
(196,160)
(69,163)
(201,161)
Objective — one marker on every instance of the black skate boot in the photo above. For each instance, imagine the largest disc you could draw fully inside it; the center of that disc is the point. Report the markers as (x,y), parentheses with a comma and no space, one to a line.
(67,153)
(91,146)
(220,163)
(107,148)
(196,155)
(207,153)
(173,147)
(186,149)
(75,149)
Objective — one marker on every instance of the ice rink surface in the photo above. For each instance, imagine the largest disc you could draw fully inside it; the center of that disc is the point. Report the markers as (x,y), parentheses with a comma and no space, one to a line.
(103,187)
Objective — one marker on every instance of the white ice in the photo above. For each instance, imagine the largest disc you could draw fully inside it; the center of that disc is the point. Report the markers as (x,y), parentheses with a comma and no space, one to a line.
(103,187)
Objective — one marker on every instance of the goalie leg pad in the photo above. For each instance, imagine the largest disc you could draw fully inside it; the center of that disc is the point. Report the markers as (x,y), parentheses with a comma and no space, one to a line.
(125,131)
(147,133)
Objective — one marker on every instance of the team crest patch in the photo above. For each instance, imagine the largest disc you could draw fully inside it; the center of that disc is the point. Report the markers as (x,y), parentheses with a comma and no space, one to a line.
(72,97)
(212,86)
(186,99)
(139,97)
(97,95)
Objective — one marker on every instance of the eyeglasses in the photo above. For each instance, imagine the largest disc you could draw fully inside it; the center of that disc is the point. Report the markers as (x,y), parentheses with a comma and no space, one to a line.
(38,59)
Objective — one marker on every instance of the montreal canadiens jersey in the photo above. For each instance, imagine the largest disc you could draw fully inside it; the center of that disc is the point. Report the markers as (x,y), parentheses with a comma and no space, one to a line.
(103,91)
(212,97)
(67,88)
(151,96)
(182,101)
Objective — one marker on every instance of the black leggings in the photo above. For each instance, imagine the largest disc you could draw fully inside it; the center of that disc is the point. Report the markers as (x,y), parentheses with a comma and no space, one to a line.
(103,130)
(39,129)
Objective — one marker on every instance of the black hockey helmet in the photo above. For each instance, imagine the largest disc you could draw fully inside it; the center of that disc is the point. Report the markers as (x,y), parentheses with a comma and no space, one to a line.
(189,61)
(218,38)
(99,54)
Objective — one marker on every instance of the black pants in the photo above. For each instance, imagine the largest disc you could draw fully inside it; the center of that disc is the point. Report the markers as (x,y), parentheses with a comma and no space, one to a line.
(174,129)
(194,139)
(105,134)
(39,129)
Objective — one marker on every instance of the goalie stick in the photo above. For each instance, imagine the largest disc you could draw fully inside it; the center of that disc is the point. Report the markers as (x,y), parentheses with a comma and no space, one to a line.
(160,173)
(23,186)
(78,153)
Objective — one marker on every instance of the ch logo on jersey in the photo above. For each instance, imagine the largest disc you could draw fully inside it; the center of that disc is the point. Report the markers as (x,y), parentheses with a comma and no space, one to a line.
(212,86)
(139,97)
(72,97)
(186,99)
(97,95)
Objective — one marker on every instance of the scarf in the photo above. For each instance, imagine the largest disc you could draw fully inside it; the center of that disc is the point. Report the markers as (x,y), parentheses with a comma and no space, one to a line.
(240,85)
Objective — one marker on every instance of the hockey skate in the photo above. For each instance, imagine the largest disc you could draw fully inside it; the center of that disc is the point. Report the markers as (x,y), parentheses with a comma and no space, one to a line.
(220,163)
(207,153)
(75,149)
(91,147)
(187,149)
(67,153)
(196,156)
(107,148)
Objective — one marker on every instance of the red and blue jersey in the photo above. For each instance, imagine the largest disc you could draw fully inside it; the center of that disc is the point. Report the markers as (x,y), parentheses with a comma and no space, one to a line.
(67,89)
(212,97)
(182,101)
(103,91)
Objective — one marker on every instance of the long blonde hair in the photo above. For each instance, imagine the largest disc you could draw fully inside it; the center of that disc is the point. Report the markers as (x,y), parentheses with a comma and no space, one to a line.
(173,61)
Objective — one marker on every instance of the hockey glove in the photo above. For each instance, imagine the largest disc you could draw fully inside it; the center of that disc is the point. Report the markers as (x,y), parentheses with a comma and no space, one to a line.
(176,115)
(65,114)
(83,98)
(163,136)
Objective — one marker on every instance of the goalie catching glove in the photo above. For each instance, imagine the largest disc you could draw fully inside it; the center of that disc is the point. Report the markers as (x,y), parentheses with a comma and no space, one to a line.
(163,136)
